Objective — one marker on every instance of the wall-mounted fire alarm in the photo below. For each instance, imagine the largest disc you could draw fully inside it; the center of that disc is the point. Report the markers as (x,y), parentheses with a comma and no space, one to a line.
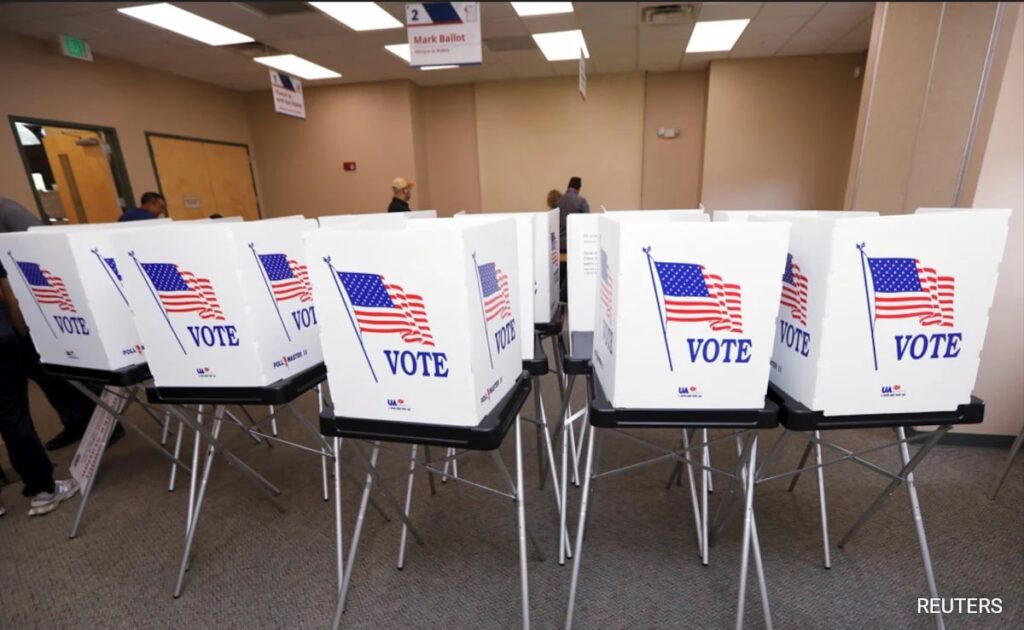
(349,166)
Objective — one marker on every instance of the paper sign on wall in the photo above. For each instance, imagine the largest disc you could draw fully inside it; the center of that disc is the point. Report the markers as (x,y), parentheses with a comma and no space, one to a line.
(443,33)
(288,98)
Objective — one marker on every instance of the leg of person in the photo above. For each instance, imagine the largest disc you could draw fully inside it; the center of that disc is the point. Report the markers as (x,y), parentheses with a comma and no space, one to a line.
(73,408)
(23,446)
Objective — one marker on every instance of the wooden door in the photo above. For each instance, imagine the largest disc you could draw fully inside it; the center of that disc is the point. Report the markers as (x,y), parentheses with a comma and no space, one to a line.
(202,178)
(80,162)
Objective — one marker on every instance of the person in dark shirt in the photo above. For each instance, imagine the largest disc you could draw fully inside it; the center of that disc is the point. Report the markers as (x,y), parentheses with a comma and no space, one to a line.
(570,203)
(401,190)
(151,206)
(23,445)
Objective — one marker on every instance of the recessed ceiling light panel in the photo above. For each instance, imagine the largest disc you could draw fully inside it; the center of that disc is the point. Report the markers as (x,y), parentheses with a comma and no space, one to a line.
(715,36)
(293,64)
(562,45)
(359,16)
(182,22)
(526,9)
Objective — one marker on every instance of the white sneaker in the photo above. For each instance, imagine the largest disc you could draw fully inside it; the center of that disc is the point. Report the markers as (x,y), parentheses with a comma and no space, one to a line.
(3,510)
(46,502)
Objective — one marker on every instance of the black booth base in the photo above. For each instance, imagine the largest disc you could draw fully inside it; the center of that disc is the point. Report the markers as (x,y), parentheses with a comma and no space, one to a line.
(538,365)
(581,348)
(278,393)
(124,377)
(486,436)
(554,327)
(604,416)
(796,417)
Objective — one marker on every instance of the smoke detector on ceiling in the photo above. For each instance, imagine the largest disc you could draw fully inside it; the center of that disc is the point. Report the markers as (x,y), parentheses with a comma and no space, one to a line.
(668,14)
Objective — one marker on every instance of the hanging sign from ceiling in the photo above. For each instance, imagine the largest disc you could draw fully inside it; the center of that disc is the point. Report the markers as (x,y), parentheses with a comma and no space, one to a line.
(443,33)
(288,98)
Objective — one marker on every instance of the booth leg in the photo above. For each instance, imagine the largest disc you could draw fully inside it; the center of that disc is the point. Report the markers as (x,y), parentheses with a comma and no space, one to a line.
(693,492)
(521,519)
(408,506)
(564,543)
(177,454)
(430,472)
(194,476)
(1006,466)
(915,510)
(821,500)
(803,461)
(705,487)
(338,537)
(747,469)
(166,428)
(356,534)
(580,527)
(273,420)
(194,522)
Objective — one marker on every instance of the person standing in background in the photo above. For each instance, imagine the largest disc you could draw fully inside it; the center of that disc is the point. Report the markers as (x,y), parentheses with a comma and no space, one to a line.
(151,206)
(553,197)
(570,203)
(401,193)
(73,408)
(23,446)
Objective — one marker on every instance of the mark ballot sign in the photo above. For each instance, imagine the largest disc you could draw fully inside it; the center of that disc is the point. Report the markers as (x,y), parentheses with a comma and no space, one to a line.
(287,91)
(443,33)
(687,312)
(418,322)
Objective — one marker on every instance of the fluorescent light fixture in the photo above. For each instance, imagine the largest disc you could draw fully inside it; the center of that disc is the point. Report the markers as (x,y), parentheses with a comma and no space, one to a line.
(182,22)
(400,50)
(293,64)
(716,36)
(359,16)
(526,9)
(562,45)
(438,67)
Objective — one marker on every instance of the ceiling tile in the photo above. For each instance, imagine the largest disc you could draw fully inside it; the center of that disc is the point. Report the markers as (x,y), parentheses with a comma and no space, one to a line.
(835,25)
(524,63)
(775,26)
(606,14)
(858,8)
(856,40)
(786,9)
(503,27)
(551,23)
(728,10)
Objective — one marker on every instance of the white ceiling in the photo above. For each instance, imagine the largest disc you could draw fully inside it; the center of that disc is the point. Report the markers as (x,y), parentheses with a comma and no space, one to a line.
(616,36)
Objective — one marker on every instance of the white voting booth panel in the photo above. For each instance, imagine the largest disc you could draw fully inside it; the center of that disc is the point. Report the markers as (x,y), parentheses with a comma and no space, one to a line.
(394,220)
(757,215)
(887,314)
(583,260)
(421,214)
(546,267)
(418,324)
(67,281)
(524,241)
(222,304)
(687,312)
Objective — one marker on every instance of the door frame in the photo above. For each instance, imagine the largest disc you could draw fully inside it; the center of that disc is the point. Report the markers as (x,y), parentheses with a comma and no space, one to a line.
(118,168)
(172,136)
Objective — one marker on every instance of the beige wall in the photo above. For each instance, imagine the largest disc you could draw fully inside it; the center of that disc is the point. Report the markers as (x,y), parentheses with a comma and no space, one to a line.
(452,166)
(370,124)
(38,82)
(672,168)
(919,105)
(779,132)
(1001,185)
(533,135)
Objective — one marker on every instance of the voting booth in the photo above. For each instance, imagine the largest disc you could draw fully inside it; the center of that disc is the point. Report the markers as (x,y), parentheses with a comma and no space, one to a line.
(525,245)
(583,249)
(419,323)
(686,312)
(222,304)
(68,281)
(886,315)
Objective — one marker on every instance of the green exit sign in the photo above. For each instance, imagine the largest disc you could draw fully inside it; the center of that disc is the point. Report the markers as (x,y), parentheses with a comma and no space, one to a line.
(75,48)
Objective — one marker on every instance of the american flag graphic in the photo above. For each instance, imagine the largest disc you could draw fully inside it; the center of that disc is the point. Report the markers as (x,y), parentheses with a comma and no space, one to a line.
(794,291)
(113,267)
(494,285)
(181,291)
(691,294)
(47,287)
(555,260)
(606,286)
(288,279)
(905,288)
(384,308)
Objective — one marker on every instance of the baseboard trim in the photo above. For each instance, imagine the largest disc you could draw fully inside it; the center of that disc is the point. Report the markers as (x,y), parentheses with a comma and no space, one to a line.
(970,439)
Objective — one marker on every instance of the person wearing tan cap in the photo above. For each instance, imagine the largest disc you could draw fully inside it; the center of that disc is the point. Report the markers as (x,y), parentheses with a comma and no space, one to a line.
(401,189)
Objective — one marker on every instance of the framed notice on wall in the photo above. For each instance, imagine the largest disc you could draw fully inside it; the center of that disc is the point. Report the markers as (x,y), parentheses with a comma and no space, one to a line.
(443,33)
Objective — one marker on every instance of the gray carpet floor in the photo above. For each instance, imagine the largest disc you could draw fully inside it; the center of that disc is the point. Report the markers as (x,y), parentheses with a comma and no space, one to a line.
(257,568)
